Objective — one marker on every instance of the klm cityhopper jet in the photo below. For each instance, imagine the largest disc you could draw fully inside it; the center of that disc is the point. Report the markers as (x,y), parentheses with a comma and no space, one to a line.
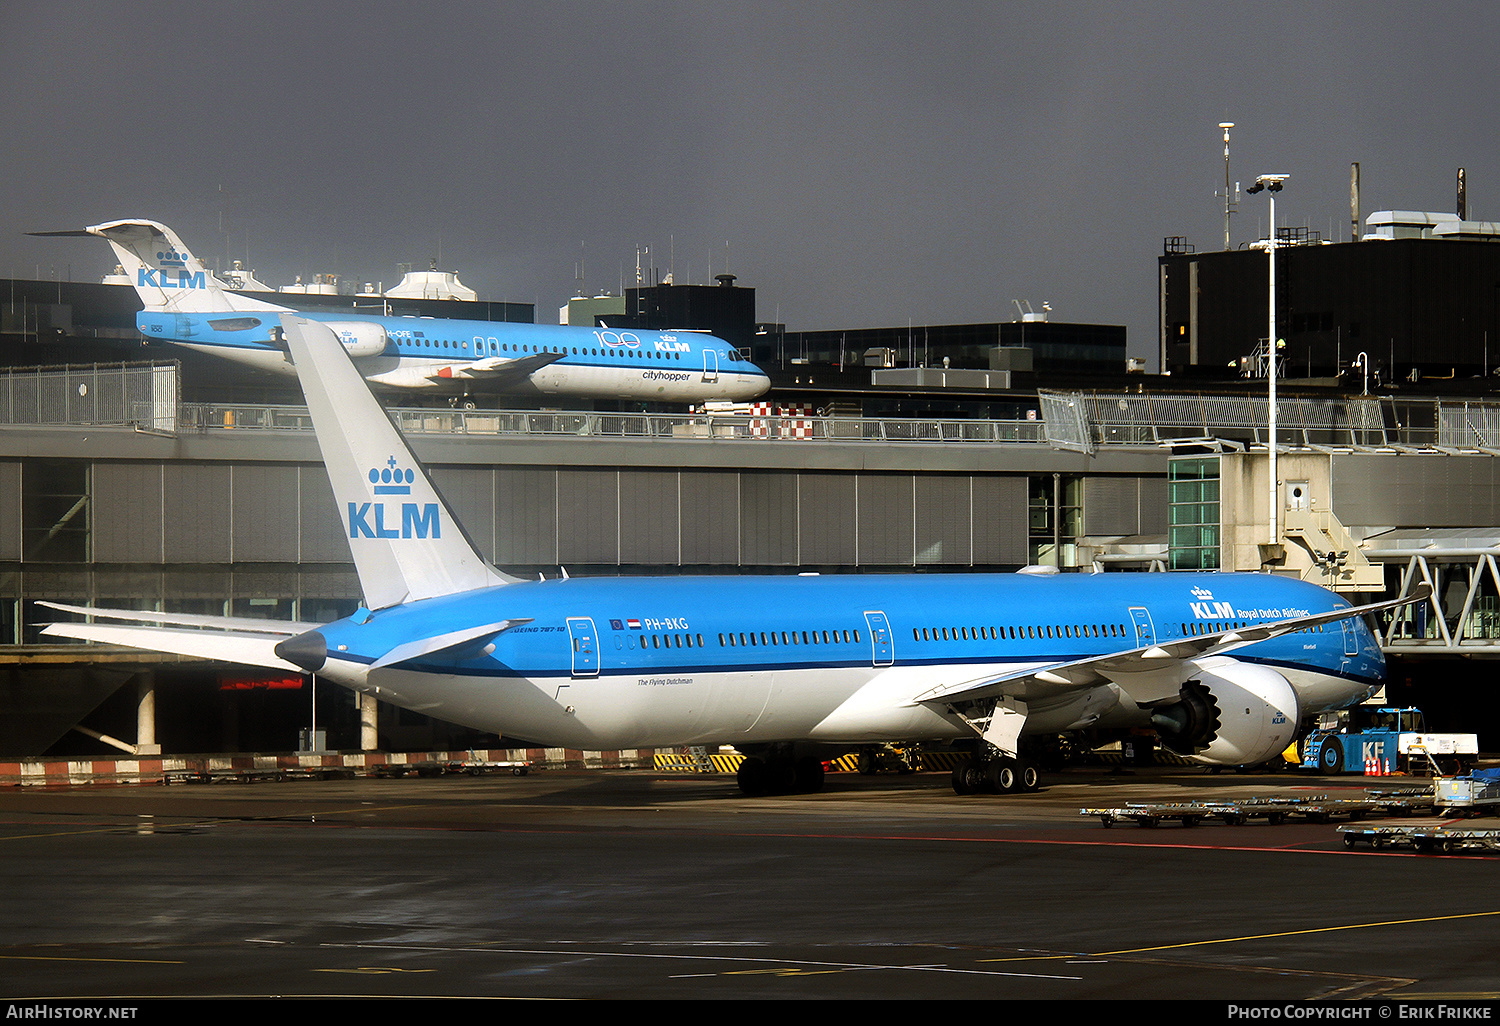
(789,670)
(186,305)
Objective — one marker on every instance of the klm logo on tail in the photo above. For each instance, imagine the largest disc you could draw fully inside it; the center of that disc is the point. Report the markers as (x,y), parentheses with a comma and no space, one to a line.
(417,521)
(154,278)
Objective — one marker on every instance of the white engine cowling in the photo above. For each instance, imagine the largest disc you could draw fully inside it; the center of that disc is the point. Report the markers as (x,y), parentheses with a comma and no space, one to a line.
(1236,714)
(360,338)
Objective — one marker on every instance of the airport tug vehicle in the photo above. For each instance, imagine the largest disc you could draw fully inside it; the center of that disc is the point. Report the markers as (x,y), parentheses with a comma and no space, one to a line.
(1380,740)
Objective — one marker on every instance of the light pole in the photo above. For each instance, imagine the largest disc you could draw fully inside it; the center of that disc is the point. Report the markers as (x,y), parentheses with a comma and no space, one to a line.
(1273,185)
(1228,196)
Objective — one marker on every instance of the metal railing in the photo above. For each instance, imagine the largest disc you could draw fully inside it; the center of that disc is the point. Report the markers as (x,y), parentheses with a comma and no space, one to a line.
(147,397)
(563,424)
(144,396)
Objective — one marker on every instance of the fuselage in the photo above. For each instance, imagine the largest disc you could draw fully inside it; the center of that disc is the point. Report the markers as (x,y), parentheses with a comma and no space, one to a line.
(456,355)
(621,662)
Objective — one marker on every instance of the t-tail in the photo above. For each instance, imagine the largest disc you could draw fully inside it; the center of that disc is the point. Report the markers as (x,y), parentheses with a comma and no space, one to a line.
(166,275)
(406,543)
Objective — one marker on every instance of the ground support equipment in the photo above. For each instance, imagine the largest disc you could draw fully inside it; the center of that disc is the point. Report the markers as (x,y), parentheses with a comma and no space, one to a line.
(1315,809)
(1423,839)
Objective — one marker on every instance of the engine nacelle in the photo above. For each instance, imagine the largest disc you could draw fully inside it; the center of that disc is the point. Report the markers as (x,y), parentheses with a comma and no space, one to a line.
(1236,714)
(360,338)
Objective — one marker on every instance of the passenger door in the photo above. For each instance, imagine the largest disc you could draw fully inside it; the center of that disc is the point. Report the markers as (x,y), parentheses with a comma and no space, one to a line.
(882,648)
(1145,633)
(585,642)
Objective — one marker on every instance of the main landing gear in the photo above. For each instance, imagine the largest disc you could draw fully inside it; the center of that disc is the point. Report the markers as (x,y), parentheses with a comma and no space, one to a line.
(999,774)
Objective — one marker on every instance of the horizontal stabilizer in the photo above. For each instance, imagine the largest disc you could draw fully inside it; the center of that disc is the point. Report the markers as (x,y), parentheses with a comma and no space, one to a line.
(229,623)
(1151,673)
(456,644)
(230,646)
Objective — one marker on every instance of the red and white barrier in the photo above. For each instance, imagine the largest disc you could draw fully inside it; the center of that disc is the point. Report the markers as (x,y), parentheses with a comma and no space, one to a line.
(789,421)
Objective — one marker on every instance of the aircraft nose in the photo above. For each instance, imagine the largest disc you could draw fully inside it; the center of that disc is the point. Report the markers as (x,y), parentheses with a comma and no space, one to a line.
(309,651)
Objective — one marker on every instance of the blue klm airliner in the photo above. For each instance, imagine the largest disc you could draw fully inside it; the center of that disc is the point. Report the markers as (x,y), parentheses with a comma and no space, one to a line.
(186,305)
(787,669)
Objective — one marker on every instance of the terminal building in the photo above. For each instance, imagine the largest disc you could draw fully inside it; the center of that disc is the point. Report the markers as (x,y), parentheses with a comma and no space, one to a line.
(1417,299)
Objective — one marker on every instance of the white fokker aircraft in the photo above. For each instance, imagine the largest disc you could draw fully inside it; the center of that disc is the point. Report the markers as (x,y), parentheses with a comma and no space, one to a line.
(787,669)
(187,306)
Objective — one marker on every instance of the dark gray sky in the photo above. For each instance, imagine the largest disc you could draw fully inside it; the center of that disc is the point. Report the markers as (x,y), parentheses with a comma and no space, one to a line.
(859,164)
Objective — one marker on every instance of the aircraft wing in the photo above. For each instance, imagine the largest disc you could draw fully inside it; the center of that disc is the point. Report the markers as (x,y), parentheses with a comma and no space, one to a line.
(1152,673)
(498,371)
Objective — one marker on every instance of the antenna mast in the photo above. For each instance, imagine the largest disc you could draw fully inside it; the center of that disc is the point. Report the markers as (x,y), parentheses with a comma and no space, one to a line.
(1228,196)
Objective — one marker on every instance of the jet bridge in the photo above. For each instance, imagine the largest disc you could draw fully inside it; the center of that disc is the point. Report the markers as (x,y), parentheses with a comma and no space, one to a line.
(1462,616)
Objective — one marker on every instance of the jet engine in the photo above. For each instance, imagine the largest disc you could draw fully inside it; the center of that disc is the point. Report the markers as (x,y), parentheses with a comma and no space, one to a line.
(1235,714)
(360,338)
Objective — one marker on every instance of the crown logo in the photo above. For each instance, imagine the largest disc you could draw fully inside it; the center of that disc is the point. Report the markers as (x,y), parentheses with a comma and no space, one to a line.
(392,480)
(1202,593)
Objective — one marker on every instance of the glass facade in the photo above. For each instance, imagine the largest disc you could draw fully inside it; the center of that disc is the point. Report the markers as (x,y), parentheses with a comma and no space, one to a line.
(1194,527)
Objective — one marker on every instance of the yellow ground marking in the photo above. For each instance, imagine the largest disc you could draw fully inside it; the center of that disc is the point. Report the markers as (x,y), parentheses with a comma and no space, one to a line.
(1257,936)
(789,971)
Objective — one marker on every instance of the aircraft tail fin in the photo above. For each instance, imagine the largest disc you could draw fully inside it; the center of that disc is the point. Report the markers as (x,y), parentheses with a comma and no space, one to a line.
(406,543)
(166,275)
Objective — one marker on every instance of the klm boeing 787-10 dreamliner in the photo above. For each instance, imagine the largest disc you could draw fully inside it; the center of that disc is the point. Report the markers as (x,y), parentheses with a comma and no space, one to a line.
(187,306)
(788,670)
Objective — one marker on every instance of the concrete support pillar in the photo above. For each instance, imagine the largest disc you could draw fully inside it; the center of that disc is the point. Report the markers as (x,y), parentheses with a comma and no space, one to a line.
(369,717)
(145,714)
